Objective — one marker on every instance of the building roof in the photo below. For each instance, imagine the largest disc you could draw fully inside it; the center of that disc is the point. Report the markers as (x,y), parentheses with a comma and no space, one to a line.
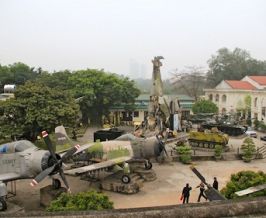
(146,97)
(259,79)
(235,84)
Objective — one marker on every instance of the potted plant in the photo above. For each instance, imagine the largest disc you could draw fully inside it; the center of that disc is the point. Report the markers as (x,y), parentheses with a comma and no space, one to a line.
(185,153)
(218,152)
(248,148)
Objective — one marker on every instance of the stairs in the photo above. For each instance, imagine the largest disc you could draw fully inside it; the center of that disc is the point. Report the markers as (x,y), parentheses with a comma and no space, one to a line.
(261,152)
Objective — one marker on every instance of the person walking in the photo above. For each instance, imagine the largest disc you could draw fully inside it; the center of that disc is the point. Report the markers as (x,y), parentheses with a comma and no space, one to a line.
(202,188)
(215,183)
(186,193)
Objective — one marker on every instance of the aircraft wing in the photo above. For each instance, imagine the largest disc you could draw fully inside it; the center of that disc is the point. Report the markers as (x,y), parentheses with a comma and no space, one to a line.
(97,166)
(251,190)
(82,148)
(9,176)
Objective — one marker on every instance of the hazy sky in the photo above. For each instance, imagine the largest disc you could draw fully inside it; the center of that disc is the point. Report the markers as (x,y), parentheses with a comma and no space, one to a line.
(120,35)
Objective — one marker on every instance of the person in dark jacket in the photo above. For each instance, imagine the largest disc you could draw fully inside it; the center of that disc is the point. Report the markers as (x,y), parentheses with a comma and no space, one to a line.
(202,188)
(215,183)
(186,193)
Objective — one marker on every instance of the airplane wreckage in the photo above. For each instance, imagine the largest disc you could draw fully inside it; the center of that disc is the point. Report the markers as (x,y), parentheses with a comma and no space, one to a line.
(123,157)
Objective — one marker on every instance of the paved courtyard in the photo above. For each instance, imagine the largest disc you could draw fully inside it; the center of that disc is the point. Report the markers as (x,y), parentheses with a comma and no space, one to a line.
(165,190)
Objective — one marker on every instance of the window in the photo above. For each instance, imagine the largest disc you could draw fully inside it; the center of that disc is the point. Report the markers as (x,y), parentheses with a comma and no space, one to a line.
(210,97)
(224,98)
(136,114)
(216,97)
(255,102)
(263,111)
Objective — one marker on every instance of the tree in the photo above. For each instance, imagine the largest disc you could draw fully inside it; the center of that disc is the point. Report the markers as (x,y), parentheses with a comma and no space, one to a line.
(17,73)
(185,153)
(192,80)
(218,150)
(56,79)
(233,65)
(249,149)
(243,180)
(81,201)
(35,108)
(204,106)
(98,91)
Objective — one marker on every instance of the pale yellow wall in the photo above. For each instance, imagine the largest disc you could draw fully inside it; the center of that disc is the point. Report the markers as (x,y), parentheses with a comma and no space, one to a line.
(234,99)
(140,118)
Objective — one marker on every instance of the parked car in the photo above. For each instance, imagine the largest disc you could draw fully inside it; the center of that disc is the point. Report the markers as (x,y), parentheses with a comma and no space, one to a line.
(251,133)
(263,138)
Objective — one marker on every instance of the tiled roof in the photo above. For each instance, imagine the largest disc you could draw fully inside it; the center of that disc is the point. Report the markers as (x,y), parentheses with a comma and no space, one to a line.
(235,84)
(259,79)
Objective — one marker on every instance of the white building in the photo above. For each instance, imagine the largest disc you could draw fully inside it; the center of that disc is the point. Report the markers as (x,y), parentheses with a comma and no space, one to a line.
(231,96)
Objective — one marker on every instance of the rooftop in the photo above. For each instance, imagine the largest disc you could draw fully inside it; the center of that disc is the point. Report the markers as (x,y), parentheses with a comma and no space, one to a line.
(235,84)
(259,79)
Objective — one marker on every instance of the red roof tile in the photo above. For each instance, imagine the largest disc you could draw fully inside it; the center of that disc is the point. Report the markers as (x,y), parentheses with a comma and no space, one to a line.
(235,84)
(259,79)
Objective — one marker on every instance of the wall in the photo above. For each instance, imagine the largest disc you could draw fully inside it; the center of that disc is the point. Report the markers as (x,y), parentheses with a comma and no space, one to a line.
(228,208)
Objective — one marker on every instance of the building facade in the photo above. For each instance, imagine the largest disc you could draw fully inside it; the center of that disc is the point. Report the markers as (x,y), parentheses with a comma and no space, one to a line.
(248,94)
(120,114)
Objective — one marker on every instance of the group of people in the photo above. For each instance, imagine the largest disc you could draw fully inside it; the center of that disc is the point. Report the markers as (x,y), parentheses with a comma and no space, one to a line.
(186,191)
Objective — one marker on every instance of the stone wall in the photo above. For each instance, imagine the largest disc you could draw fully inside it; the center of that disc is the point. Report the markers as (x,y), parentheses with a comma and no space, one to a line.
(254,206)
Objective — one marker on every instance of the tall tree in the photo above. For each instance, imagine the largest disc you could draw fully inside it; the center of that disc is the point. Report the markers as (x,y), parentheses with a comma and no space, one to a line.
(204,106)
(98,91)
(17,73)
(36,107)
(192,80)
(57,79)
(233,65)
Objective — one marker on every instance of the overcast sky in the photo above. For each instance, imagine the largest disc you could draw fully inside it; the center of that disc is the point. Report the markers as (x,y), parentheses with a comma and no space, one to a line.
(121,36)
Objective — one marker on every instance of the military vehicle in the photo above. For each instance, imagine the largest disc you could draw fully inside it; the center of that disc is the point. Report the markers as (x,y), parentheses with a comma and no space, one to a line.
(226,127)
(207,139)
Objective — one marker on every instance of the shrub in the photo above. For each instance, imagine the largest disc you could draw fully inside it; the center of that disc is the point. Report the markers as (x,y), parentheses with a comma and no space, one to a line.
(248,147)
(82,201)
(243,180)
(185,153)
(218,151)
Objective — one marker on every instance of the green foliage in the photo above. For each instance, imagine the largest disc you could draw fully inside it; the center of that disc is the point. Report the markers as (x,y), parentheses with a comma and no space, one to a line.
(233,65)
(259,125)
(35,108)
(17,73)
(243,180)
(100,91)
(185,153)
(82,201)
(218,150)
(204,106)
(56,79)
(248,147)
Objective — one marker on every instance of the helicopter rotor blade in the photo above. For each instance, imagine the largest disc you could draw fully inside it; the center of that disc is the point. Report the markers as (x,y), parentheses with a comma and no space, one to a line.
(198,174)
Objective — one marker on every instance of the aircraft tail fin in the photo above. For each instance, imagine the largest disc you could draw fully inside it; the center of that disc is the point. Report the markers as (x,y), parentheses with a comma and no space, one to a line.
(62,138)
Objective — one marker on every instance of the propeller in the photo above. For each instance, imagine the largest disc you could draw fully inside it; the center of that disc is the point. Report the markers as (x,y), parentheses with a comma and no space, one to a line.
(57,162)
(211,193)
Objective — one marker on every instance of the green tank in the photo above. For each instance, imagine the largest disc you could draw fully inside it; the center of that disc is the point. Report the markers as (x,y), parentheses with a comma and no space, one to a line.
(207,139)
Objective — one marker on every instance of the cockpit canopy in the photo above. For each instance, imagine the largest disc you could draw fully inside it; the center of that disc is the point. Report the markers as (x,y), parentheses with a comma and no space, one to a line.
(16,146)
